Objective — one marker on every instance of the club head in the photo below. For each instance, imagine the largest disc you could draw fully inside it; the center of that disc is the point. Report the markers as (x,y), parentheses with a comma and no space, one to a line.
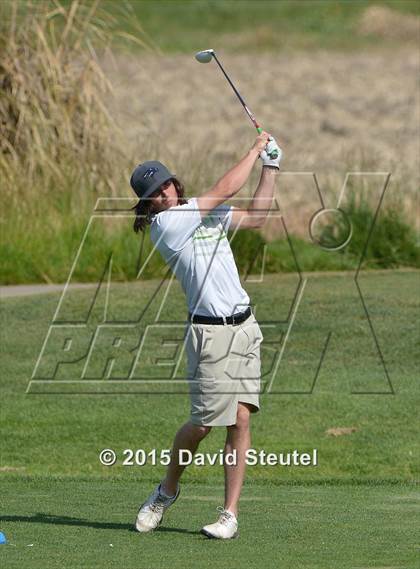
(204,56)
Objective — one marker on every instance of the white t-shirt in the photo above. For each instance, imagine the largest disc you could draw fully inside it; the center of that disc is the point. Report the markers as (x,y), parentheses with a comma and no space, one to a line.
(199,254)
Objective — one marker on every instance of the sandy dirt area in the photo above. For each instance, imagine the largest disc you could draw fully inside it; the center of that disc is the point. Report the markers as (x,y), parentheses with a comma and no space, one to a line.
(331,112)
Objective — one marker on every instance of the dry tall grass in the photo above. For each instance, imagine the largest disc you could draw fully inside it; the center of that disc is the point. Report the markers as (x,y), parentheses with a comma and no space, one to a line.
(59,145)
(56,128)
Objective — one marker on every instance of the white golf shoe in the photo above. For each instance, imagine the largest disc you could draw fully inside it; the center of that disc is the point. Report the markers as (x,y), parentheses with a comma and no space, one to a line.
(151,511)
(226,526)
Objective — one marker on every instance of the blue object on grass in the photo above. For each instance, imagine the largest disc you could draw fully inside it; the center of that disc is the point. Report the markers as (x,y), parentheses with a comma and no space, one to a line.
(2,538)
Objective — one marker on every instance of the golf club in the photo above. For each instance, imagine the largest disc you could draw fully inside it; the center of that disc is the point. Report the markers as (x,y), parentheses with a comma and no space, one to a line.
(206,56)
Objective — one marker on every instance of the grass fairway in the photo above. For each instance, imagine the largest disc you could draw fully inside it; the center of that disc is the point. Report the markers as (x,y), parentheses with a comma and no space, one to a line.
(355,509)
(73,522)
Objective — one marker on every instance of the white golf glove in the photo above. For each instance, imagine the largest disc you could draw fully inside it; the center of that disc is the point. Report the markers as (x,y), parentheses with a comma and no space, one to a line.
(271,155)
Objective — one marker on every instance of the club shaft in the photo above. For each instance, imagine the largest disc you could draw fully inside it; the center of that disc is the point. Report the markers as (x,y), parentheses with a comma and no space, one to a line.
(248,112)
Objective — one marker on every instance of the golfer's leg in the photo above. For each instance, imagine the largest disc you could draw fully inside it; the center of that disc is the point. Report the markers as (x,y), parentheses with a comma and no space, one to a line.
(239,438)
(188,437)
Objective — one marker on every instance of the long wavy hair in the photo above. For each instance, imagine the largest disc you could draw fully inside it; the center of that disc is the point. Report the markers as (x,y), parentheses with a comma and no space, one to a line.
(144,208)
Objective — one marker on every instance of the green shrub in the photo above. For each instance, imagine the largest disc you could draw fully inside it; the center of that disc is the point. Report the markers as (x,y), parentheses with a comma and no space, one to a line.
(392,241)
(248,247)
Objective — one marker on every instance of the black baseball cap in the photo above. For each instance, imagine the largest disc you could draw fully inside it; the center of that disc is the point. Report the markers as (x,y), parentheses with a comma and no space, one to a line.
(148,177)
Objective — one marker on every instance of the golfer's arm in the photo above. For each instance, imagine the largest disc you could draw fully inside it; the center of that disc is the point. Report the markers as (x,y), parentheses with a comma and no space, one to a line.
(263,197)
(229,184)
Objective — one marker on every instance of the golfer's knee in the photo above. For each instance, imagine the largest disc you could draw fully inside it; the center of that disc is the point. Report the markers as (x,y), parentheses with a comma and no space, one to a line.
(242,417)
(200,431)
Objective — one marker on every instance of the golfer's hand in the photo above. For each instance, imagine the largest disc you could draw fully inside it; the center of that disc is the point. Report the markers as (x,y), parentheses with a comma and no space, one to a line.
(261,141)
(271,155)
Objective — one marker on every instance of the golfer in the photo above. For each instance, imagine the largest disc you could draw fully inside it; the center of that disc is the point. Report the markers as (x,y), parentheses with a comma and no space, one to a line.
(222,338)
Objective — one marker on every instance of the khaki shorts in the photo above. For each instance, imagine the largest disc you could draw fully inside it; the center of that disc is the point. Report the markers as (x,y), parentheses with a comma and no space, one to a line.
(224,368)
